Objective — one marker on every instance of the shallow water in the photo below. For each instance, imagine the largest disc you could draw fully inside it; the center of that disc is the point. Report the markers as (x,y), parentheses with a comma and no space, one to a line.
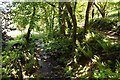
(47,64)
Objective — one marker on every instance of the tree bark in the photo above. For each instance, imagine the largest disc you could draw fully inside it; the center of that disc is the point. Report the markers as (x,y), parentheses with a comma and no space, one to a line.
(75,7)
(69,8)
(92,13)
(87,16)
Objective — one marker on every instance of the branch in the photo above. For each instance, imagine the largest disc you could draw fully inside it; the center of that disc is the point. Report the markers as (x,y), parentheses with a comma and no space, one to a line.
(51,4)
(98,8)
(105,5)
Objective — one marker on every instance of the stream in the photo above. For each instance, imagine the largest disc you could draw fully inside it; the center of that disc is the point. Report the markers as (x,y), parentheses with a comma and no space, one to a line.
(45,65)
(49,68)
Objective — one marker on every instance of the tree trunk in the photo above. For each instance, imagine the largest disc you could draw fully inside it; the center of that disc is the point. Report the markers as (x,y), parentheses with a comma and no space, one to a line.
(68,23)
(63,22)
(61,18)
(75,7)
(87,16)
(52,20)
(31,25)
(92,13)
(60,10)
(69,8)
(46,20)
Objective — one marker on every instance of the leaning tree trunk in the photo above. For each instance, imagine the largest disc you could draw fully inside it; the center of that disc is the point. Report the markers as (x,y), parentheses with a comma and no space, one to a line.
(31,25)
(72,14)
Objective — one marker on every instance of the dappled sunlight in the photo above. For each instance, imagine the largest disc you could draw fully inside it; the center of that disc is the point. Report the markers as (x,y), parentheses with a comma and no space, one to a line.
(67,40)
(14,33)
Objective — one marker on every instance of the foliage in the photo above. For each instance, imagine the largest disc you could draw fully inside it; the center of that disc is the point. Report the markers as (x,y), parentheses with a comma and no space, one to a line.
(94,43)
(59,48)
(106,72)
(60,45)
(16,56)
(81,54)
(23,14)
(103,24)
